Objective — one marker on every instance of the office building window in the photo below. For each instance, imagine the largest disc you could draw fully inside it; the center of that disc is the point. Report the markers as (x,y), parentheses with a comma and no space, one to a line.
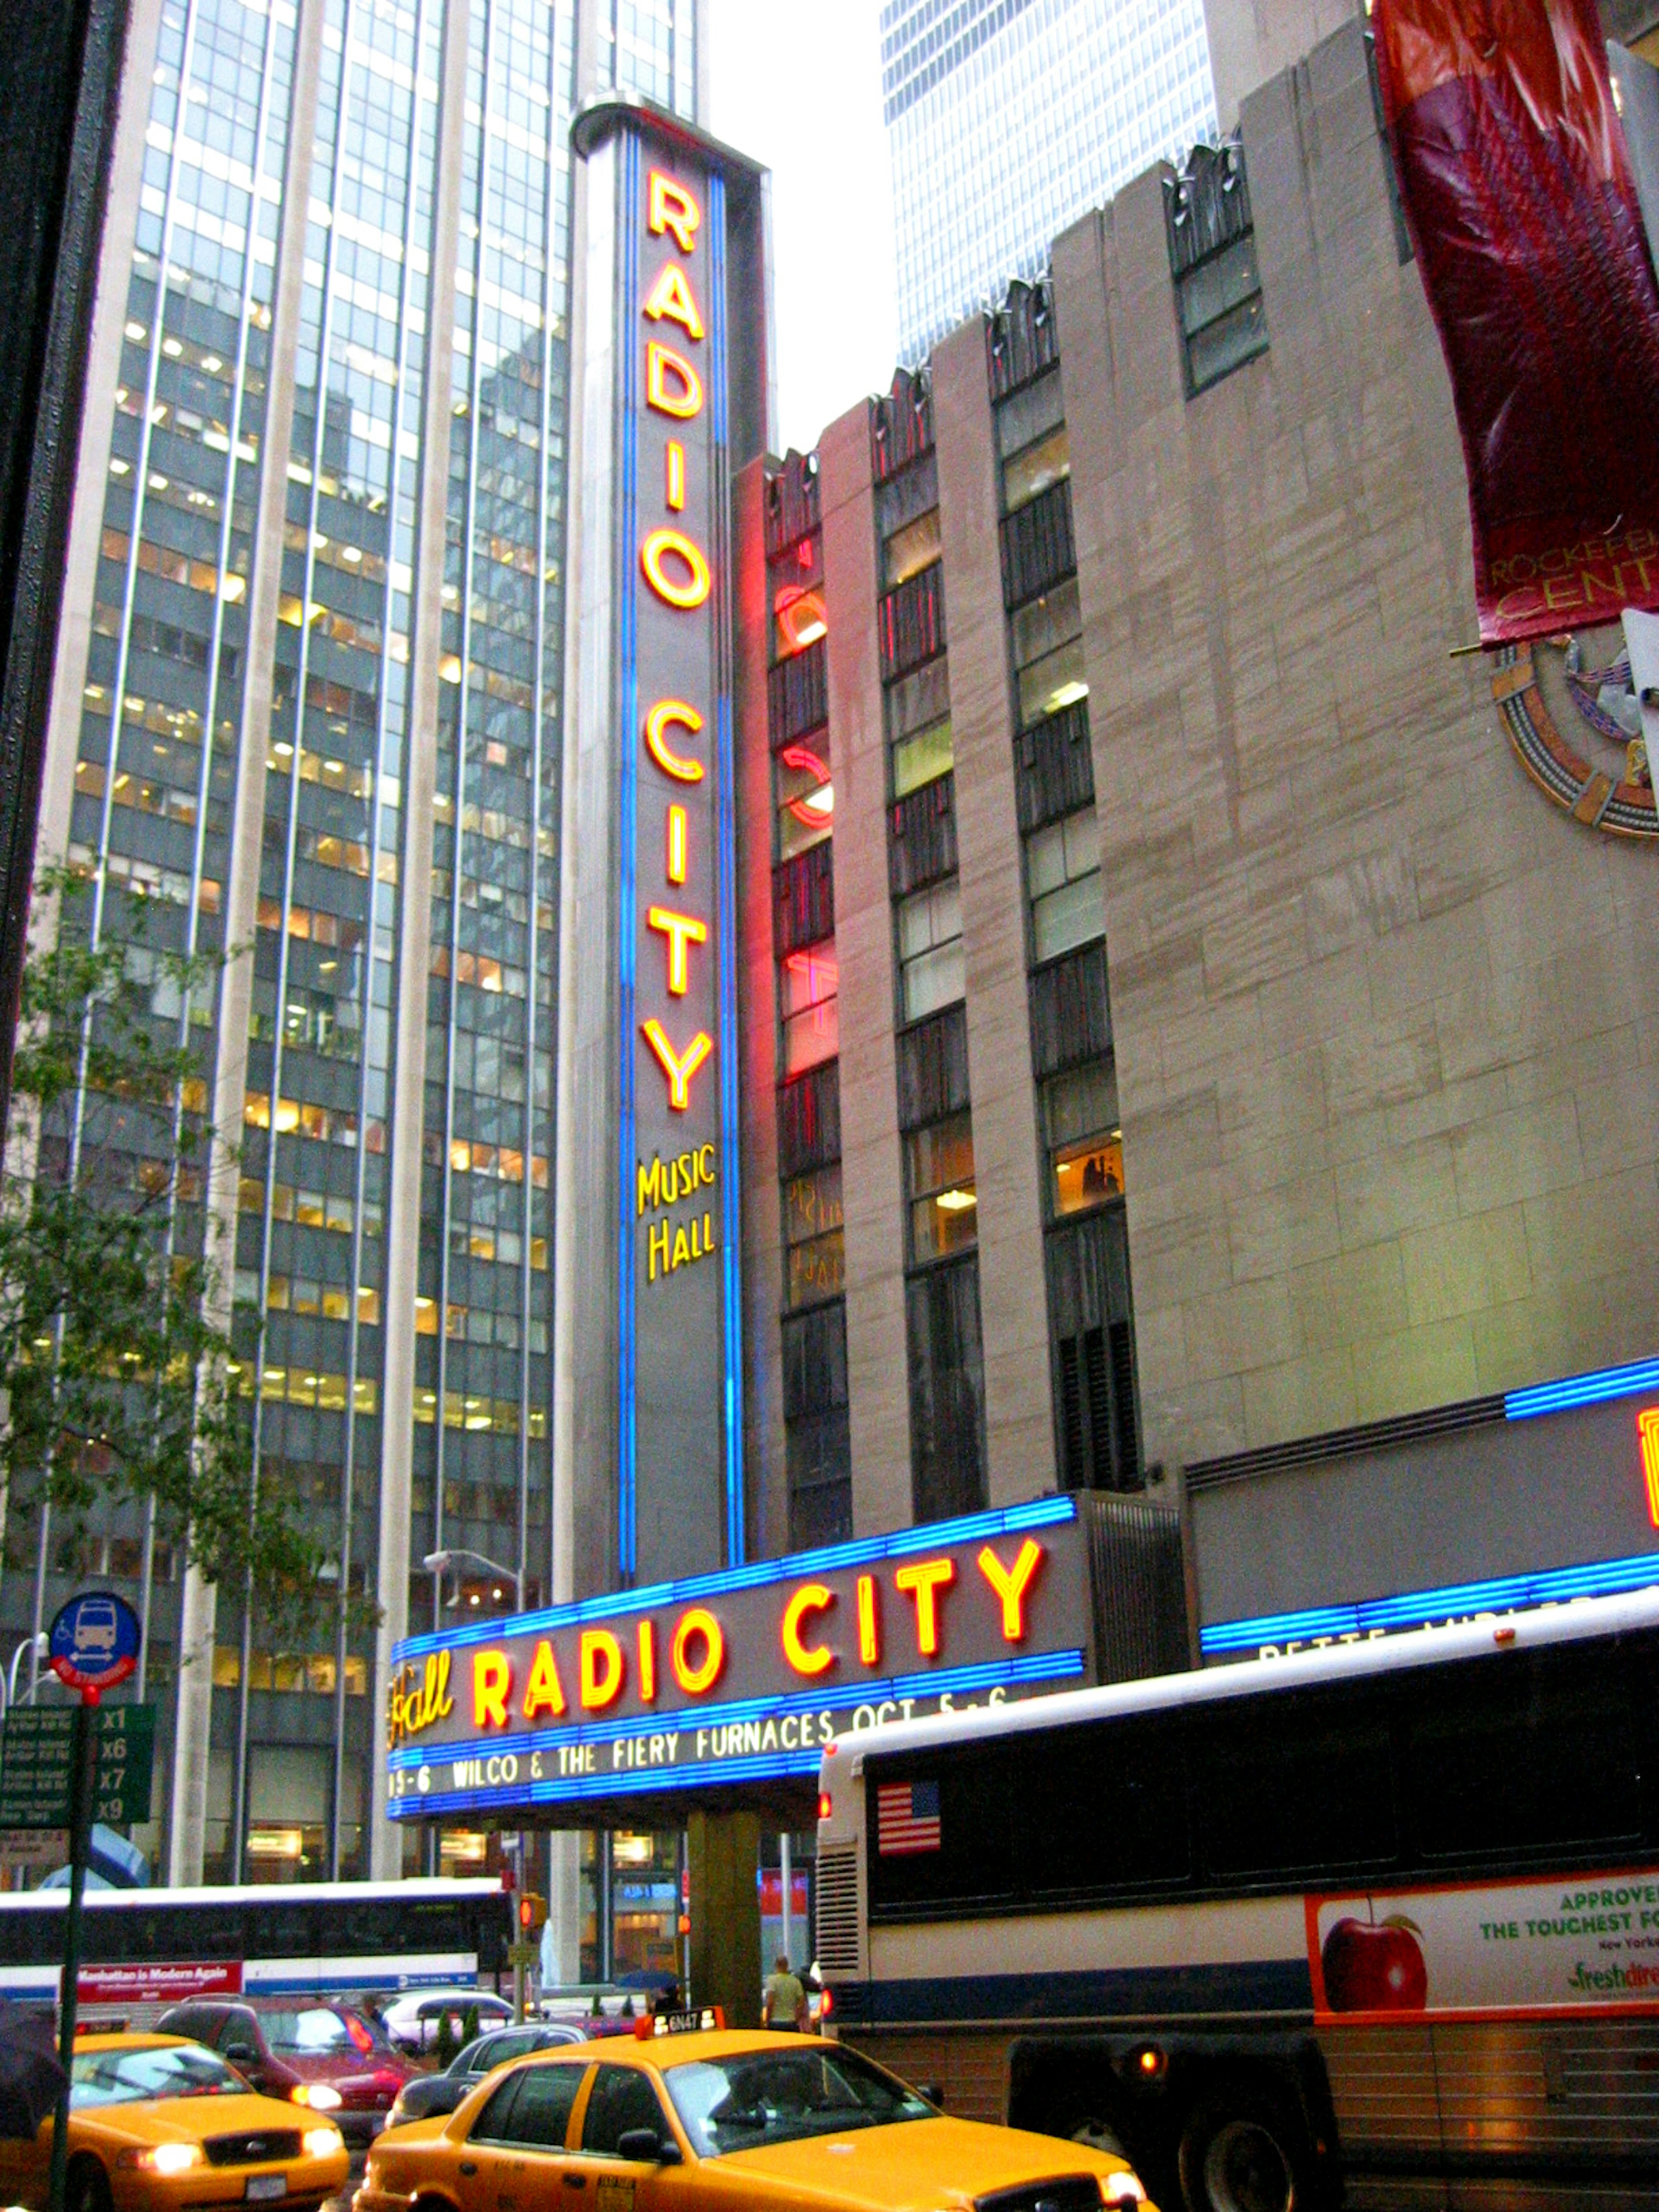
(918,718)
(938,1181)
(931,973)
(1218,303)
(947,1390)
(1085,1138)
(1062,875)
(1035,469)
(806,992)
(806,797)
(1048,641)
(923,758)
(910,549)
(813,1237)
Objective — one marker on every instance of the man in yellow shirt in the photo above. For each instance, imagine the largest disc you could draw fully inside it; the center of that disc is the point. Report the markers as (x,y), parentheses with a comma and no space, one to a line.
(785,2004)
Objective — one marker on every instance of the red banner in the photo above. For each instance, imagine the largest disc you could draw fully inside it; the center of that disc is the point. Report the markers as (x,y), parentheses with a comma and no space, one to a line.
(156,1984)
(1517,186)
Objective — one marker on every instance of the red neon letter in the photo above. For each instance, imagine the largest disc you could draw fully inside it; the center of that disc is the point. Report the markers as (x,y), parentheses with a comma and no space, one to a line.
(669,713)
(920,1583)
(544,1689)
(681,1067)
(492,1685)
(671,300)
(694,1680)
(684,592)
(673,386)
(668,206)
(682,930)
(601,1669)
(807,1658)
(1011,1584)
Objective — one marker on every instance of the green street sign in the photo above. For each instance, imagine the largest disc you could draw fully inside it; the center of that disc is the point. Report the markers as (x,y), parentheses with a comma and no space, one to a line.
(35,1759)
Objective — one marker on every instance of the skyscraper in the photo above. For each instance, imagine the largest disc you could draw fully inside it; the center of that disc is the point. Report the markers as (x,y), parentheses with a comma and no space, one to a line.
(1007,120)
(308,701)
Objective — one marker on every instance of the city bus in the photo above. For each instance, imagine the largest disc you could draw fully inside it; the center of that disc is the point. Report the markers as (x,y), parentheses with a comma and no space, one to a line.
(143,1949)
(1377,1924)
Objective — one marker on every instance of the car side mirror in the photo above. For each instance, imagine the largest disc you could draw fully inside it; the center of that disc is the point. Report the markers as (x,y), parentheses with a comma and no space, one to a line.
(241,2054)
(646,2145)
(934,2094)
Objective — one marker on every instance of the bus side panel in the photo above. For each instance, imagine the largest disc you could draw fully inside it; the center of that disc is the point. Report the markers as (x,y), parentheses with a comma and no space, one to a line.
(969,2068)
(1388,2116)
(1583,2095)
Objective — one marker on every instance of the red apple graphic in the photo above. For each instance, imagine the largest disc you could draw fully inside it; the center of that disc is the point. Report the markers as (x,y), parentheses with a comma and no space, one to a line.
(1375,1966)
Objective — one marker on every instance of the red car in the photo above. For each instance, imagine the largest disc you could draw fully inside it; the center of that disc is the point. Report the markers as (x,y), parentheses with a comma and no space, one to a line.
(314,2053)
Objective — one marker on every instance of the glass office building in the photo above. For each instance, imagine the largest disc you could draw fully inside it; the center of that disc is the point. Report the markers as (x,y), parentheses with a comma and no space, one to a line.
(309,703)
(1007,120)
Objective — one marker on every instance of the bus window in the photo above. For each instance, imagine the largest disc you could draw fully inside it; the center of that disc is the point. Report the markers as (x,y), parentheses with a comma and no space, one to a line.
(1526,1754)
(282,1931)
(1294,1783)
(943,1836)
(1115,1809)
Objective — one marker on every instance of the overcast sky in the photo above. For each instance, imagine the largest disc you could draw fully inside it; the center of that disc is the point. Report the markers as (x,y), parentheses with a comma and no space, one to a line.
(799,88)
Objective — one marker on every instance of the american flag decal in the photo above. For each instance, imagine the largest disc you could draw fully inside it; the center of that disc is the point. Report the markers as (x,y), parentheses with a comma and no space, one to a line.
(906,1818)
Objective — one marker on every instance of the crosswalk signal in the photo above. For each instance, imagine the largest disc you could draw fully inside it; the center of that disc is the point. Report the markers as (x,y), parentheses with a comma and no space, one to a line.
(532,1912)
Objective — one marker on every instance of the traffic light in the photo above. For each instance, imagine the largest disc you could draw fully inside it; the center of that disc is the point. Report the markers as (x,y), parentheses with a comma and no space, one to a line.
(532,1912)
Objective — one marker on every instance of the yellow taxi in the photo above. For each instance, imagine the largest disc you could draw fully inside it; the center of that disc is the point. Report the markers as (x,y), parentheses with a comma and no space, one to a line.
(691,2117)
(159,2124)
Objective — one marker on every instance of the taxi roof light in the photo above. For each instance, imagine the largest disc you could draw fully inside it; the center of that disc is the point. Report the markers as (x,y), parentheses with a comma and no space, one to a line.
(697,2020)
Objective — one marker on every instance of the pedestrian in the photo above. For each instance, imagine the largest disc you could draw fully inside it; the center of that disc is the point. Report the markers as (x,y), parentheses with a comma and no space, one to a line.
(785,2004)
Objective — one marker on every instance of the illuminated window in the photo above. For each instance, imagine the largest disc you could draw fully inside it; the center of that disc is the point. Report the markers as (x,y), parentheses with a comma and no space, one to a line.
(923,758)
(910,549)
(1046,461)
(1062,876)
(1048,643)
(939,1176)
(1085,1138)
(807,984)
(806,798)
(813,1243)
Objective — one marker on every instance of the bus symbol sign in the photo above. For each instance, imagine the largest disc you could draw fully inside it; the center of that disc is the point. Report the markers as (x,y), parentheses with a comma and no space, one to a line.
(95,1641)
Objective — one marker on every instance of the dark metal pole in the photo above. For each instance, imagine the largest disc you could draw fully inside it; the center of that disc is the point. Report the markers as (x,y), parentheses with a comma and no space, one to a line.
(82,1759)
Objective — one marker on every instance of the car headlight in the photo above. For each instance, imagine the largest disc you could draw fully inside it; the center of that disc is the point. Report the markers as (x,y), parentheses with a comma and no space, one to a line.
(1124,2187)
(318,2095)
(322,2142)
(164,2158)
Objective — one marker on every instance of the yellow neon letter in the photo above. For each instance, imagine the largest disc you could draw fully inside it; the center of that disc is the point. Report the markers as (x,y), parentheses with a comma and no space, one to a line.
(601,1669)
(694,589)
(671,300)
(697,1621)
(869,1621)
(920,1583)
(1011,1584)
(807,1658)
(492,1685)
(677,862)
(673,386)
(681,1067)
(668,713)
(682,930)
(668,206)
(544,1688)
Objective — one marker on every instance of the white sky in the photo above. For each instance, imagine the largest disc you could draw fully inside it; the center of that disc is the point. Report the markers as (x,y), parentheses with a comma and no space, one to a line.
(799,88)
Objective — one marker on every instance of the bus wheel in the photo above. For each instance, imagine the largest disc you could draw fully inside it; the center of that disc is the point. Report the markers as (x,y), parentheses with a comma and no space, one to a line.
(86,2187)
(1237,2155)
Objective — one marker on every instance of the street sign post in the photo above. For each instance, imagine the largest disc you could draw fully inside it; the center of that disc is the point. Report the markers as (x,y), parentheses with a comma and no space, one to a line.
(37,1760)
(94,1645)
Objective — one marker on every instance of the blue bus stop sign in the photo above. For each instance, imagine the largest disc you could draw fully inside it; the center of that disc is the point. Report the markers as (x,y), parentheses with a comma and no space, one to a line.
(95,1641)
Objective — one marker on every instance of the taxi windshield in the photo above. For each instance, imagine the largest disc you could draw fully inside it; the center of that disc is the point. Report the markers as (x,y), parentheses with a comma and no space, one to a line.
(761,2097)
(128,2077)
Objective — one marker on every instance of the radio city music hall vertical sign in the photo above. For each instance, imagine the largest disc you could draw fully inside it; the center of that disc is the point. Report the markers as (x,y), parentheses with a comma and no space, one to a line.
(658,215)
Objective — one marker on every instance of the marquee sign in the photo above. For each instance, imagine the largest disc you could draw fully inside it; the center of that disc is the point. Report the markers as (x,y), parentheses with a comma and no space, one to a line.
(740,1677)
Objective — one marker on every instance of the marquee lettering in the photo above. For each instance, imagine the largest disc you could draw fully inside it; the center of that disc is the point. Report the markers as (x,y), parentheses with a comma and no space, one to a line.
(869,1622)
(418,1699)
(668,714)
(678,1067)
(492,1685)
(807,1658)
(686,592)
(921,1583)
(673,386)
(647,1675)
(671,300)
(683,931)
(695,1675)
(543,1691)
(669,207)
(1011,1584)
(602,1669)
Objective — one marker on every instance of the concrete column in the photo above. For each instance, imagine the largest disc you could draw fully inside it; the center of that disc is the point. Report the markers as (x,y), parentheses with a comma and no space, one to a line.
(766,1480)
(413,935)
(1019,1431)
(872,1182)
(725,1954)
(199,1609)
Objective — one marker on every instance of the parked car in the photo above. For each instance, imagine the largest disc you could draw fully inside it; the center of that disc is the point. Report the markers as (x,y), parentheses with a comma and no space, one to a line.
(325,2056)
(158,2125)
(412,2021)
(427,2093)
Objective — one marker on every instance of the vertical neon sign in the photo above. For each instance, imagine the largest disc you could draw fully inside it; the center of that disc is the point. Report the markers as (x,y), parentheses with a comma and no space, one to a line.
(679,1456)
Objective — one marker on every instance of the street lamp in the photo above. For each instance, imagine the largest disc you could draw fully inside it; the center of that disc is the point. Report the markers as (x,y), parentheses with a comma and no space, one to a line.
(38,1644)
(438,1563)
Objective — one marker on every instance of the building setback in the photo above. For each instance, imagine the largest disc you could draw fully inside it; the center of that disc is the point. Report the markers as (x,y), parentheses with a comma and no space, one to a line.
(308,699)
(1197,912)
